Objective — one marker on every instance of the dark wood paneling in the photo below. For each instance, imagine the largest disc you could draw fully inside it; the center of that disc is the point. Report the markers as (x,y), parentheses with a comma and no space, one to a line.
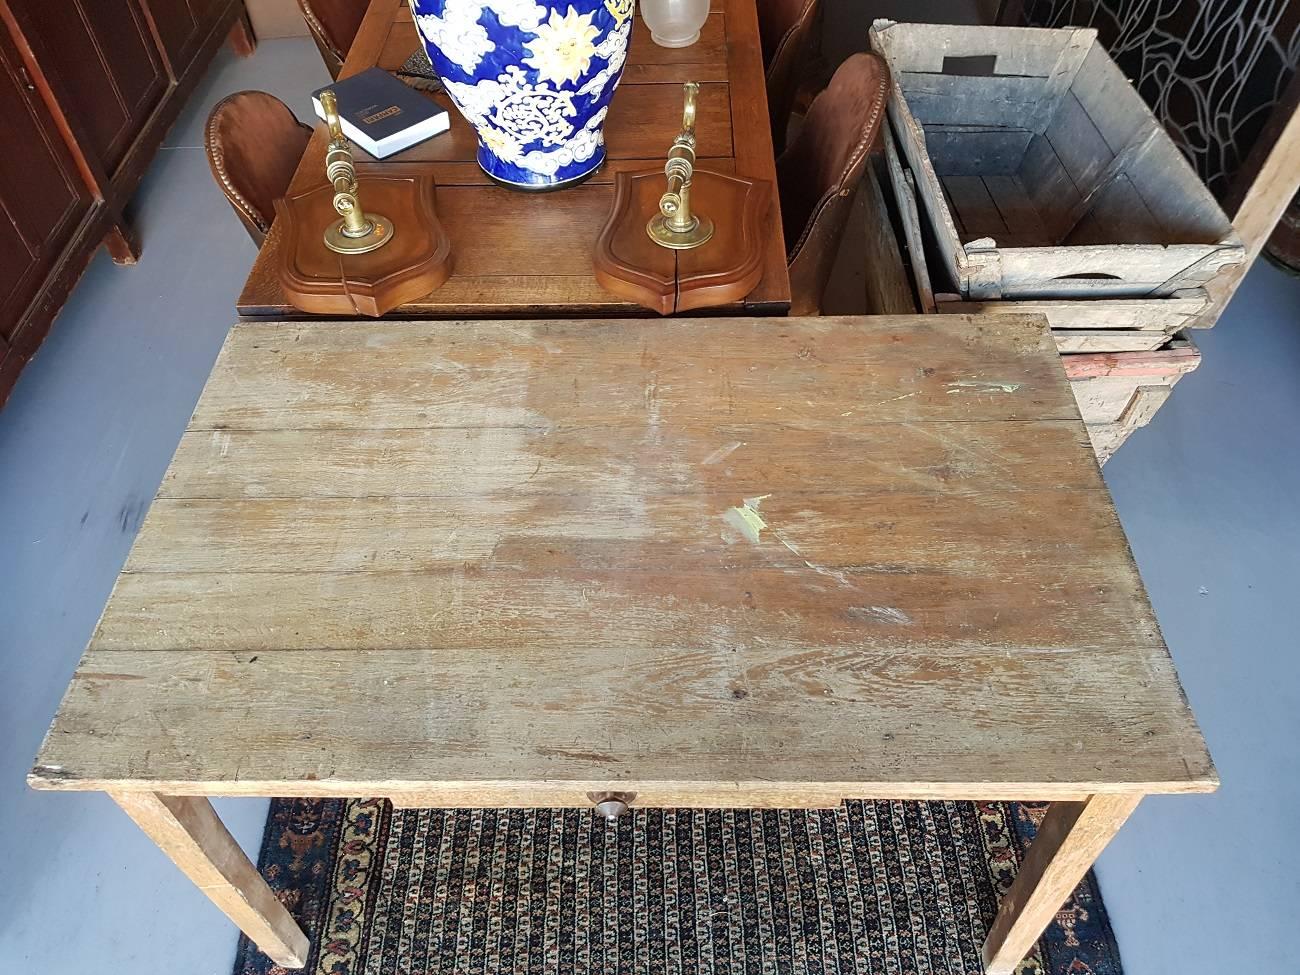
(182,26)
(41,196)
(11,364)
(178,30)
(88,89)
(101,58)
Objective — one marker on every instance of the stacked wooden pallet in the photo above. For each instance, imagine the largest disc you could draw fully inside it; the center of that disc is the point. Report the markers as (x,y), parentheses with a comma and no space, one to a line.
(1028,176)
(1119,392)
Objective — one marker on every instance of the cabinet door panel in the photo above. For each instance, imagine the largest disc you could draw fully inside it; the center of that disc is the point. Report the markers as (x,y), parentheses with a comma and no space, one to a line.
(102,59)
(182,26)
(17,265)
(11,363)
(178,28)
(42,197)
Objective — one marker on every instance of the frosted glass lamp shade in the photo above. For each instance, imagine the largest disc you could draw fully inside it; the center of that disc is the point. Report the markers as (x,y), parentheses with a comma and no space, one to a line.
(674,23)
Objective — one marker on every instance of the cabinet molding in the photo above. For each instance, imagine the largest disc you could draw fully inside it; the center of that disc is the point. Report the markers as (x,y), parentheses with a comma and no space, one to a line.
(93,86)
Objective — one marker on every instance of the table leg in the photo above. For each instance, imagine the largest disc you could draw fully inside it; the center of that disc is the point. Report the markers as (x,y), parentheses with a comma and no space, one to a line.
(122,243)
(242,39)
(1072,836)
(188,830)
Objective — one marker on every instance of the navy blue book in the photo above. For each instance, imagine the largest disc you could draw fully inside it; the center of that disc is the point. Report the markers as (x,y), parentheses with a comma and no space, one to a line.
(382,115)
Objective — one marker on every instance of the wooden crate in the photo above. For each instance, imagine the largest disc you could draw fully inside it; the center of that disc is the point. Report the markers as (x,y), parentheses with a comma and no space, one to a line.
(1117,392)
(1041,170)
(1078,324)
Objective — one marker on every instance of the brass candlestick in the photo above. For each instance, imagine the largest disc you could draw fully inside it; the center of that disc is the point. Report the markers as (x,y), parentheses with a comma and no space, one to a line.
(355,232)
(675,226)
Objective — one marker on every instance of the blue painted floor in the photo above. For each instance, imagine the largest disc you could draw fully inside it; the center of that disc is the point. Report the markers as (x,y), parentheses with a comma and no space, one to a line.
(84,442)
(1207,493)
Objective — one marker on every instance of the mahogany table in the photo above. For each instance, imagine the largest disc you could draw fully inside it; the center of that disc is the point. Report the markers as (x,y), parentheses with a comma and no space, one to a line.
(527,254)
(720,562)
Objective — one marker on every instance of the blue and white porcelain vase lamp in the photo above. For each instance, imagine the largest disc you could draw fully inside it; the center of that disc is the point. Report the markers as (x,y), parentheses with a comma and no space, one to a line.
(534,78)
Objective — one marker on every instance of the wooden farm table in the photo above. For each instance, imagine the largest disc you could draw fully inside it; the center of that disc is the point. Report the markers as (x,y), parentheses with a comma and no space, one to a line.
(721,562)
(528,254)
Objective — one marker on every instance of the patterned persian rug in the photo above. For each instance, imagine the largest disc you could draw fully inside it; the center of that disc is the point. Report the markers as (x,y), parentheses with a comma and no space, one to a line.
(886,888)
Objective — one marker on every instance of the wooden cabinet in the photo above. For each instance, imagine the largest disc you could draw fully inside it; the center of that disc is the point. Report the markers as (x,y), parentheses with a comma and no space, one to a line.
(180,25)
(11,363)
(43,196)
(88,89)
(101,61)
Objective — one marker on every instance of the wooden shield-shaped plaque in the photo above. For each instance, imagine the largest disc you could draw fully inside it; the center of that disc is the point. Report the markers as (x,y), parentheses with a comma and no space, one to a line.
(413,264)
(724,269)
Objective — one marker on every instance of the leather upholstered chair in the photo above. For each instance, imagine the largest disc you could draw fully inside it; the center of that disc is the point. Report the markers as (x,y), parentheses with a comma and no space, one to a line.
(333,25)
(254,144)
(819,172)
(786,29)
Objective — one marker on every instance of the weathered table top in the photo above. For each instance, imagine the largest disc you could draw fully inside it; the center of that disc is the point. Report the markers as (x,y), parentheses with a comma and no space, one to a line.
(713,562)
(527,254)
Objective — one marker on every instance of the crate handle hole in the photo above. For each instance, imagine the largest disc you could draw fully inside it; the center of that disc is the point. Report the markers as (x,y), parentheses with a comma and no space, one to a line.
(1096,276)
(971,65)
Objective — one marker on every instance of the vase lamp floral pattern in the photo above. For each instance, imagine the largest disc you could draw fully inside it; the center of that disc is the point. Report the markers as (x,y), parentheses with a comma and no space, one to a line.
(533,77)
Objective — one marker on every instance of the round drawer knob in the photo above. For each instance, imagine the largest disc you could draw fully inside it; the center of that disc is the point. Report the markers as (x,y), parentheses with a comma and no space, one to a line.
(611,805)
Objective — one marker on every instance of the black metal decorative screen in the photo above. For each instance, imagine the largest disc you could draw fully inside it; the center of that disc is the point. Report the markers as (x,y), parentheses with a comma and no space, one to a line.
(1211,70)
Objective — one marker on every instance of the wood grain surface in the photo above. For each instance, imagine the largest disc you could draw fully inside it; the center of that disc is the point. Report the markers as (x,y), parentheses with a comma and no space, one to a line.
(530,255)
(712,562)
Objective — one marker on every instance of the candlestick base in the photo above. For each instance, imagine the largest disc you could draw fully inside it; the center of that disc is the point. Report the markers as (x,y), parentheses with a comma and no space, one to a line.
(340,241)
(663,234)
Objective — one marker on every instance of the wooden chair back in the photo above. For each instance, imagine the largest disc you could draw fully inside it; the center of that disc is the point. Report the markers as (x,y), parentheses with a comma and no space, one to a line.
(820,170)
(785,29)
(254,143)
(333,25)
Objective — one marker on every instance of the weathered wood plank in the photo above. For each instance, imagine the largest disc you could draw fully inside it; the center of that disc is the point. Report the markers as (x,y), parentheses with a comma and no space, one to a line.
(1108,340)
(888,290)
(975,208)
(562,606)
(975,150)
(530,462)
(914,533)
(1275,181)
(1078,144)
(909,215)
(1108,97)
(1024,226)
(1104,270)
(910,138)
(1142,402)
(1166,315)
(941,99)
(1179,358)
(928,46)
(394,374)
(731,725)
(1053,192)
